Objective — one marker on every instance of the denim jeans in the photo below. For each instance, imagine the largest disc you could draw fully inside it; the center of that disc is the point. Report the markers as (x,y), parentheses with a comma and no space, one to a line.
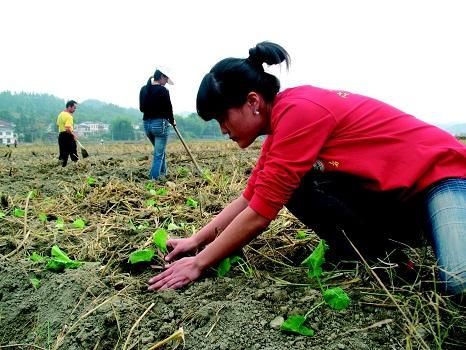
(157,132)
(446,217)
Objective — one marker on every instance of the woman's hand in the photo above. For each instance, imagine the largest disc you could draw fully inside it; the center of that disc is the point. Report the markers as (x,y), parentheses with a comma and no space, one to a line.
(177,275)
(180,246)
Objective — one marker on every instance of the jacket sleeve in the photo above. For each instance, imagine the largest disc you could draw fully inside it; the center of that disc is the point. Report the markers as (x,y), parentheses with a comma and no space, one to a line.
(142,97)
(299,130)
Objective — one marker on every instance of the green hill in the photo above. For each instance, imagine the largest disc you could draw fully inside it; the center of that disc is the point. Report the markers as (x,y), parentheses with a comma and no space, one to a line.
(34,116)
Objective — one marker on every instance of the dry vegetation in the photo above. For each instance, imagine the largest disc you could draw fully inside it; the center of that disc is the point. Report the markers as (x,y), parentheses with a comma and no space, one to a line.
(104,304)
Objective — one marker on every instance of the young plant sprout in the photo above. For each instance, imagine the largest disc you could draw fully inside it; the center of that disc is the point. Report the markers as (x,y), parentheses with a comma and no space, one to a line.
(336,298)
(159,239)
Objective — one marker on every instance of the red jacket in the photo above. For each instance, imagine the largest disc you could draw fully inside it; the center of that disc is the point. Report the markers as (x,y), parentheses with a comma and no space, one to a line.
(335,130)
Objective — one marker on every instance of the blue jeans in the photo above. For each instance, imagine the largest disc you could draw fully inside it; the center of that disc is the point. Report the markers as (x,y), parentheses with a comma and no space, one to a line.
(446,217)
(157,132)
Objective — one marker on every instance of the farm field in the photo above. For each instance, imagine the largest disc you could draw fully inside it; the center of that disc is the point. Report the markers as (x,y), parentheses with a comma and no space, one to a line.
(103,208)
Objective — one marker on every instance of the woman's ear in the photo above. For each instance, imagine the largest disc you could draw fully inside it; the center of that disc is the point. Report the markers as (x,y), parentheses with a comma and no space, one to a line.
(253,100)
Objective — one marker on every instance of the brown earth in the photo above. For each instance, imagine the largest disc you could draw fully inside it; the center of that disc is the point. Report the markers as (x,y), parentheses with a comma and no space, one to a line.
(104,304)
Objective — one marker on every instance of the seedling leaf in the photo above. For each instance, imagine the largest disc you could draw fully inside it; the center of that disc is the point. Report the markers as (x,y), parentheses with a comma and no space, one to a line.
(224,267)
(59,261)
(42,217)
(207,175)
(90,180)
(149,185)
(150,202)
(172,226)
(36,257)
(35,282)
(161,191)
(60,224)
(295,324)
(79,223)
(19,213)
(182,171)
(316,259)
(190,202)
(159,238)
(142,227)
(226,264)
(336,298)
(2,214)
(301,234)
(143,255)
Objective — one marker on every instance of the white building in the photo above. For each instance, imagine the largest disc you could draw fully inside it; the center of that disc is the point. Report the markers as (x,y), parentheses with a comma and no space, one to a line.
(90,128)
(7,133)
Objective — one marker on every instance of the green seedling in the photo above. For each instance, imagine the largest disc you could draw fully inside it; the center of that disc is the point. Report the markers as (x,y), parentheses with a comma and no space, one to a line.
(162,191)
(60,261)
(19,213)
(150,202)
(224,267)
(42,217)
(35,282)
(172,227)
(335,298)
(36,257)
(142,227)
(2,214)
(182,171)
(190,202)
(227,264)
(143,255)
(79,223)
(138,228)
(149,186)
(206,175)
(301,234)
(159,238)
(90,181)
(295,324)
(79,194)
(60,224)
(158,192)
(315,260)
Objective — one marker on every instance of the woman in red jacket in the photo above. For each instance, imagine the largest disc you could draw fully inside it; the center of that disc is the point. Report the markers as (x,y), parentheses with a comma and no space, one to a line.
(340,162)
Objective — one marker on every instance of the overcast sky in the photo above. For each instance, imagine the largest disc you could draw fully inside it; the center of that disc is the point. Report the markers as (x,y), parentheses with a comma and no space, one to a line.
(410,54)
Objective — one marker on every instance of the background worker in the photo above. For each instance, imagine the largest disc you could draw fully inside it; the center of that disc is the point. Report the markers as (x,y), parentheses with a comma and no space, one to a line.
(66,138)
(338,161)
(156,106)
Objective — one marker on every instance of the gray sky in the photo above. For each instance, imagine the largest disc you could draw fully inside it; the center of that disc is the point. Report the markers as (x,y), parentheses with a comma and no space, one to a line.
(409,53)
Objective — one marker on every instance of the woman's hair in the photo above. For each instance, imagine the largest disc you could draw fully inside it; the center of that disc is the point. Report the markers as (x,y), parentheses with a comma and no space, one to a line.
(158,74)
(229,82)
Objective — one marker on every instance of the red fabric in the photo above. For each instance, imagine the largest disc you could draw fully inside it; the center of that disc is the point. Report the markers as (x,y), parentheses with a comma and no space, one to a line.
(348,133)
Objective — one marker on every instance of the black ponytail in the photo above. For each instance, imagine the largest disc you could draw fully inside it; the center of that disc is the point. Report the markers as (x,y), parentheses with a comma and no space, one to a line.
(229,82)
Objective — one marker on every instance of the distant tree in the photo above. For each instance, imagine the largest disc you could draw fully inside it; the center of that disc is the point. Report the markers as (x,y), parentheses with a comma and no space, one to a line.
(122,129)
(7,116)
(193,127)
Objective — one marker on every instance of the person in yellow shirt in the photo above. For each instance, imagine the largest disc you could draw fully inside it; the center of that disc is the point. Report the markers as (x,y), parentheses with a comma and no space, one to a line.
(66,138)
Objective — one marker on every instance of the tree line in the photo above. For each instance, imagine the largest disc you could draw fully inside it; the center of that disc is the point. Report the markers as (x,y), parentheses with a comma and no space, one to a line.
(34,116)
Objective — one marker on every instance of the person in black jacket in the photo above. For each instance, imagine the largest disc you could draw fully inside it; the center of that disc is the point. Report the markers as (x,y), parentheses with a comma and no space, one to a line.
(155,104)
